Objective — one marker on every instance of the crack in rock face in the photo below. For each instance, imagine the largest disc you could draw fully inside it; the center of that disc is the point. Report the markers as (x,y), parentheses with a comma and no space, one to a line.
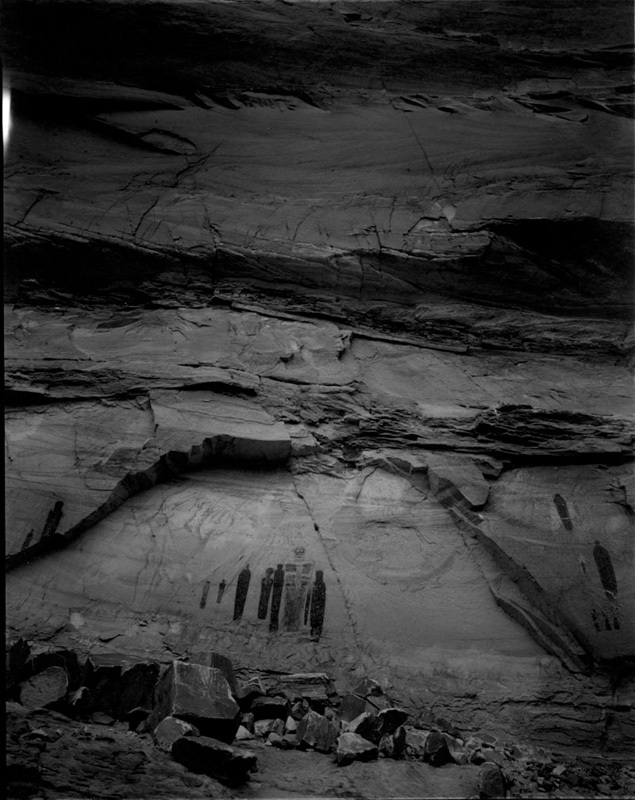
(318,353)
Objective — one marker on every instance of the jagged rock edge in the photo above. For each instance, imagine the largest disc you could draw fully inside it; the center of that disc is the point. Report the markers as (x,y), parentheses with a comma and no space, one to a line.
(167,466)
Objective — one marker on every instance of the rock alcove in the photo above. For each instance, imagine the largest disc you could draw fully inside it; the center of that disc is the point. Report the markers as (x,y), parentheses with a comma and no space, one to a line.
(318,358)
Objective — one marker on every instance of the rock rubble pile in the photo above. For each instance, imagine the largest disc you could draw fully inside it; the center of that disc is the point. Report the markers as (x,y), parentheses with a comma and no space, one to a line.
(213,725)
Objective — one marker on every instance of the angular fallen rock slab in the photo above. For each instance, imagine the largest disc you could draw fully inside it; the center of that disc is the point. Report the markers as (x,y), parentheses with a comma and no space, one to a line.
(351,707)
(352,747)
(44,689)
(263,727)
(170,729)
(389,719)
(199,695)
(456,749)
(203,754)
(248,691)
(416,741)
(491,781)
(317,732)
(270,708)
(217,661)
(366,726)
(393,745)
(116,685)
(368,686)
(436,750)
(242,734)
(316,687)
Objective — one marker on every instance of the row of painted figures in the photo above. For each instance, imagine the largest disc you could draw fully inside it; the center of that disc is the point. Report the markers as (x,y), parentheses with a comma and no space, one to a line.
(304,604)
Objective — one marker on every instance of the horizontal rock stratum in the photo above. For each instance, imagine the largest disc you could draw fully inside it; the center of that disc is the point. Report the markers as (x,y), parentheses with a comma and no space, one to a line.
(318,345)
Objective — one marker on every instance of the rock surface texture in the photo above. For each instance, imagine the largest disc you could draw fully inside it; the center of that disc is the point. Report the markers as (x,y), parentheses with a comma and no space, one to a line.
(318,355)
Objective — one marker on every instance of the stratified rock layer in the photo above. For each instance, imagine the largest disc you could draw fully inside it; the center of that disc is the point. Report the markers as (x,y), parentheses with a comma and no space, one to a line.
(318,341)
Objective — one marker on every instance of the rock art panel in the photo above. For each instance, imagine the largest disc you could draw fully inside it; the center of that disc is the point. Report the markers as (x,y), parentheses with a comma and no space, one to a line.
(584,566)
(99,454)
(331,378)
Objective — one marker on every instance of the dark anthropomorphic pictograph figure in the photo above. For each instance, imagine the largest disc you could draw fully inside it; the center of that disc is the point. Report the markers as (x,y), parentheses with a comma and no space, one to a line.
(605,568)
(293,602)
(563,511)
(221,591)
(318,603)
(204,595)
(242,588)
(265,593)
(609,583)
(276,597)
(307,606)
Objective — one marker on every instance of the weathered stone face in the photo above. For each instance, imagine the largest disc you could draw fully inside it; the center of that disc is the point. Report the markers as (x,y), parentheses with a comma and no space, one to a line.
(44,689)
(327,369)
(317,732)
(169,730)
(215,758)
(199,695)
(353,747)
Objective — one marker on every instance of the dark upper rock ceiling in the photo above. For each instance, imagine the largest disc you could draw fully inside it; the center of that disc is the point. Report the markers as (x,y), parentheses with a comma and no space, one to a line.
(344,285)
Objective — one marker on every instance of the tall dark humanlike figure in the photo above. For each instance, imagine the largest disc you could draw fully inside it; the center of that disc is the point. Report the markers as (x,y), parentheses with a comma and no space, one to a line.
(318,603)
(307,605)
(204,595)
(276,597)
(605,568)
(221,590)
(242,587)
(265,594)
(293,603)
(563,511)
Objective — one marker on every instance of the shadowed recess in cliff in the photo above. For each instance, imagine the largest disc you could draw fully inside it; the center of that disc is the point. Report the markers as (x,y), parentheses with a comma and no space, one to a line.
(129,470)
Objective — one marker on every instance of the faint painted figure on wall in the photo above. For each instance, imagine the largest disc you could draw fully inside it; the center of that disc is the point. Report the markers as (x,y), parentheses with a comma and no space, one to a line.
(28,540)
(293,602)
(307,605)
(605,568)
(242,588)
(276,597)
(563,511)
(221,591)
(606,571)
(204,595)
(318,603)
(53,519)
(265,593)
